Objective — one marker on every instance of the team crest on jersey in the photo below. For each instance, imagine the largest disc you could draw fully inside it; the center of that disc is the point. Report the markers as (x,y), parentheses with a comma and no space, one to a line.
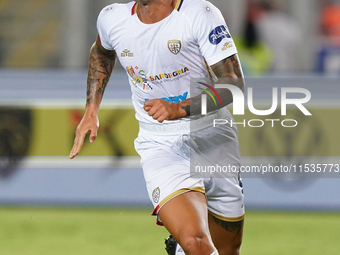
(174,46)
(156,194)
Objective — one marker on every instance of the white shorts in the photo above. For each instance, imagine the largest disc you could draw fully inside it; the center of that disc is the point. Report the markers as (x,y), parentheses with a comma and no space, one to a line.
(170,152)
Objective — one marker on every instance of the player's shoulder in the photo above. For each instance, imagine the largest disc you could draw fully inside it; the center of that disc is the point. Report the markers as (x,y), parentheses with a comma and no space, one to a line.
(116,12)
(193,8)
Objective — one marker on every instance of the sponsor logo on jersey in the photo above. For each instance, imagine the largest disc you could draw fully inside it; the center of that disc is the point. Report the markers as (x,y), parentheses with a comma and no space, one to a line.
(218,34)
(156,194)
(126,53)
(174,46)
(227,46)
(171,75)
(138,78)
(175,99)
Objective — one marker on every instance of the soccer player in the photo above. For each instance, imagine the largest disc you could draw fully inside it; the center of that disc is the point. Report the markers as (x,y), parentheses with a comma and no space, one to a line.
(163,45)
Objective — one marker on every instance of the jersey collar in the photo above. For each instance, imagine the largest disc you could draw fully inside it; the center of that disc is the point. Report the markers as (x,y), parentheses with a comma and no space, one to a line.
(177,7)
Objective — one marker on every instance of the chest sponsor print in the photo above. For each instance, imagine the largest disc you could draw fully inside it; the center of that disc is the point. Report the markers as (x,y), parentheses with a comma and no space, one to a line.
(138,77)
(174,99)
(169,76)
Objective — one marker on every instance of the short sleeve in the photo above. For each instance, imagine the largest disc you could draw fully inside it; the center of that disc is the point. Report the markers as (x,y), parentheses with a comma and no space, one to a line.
(212,34)
(103,25)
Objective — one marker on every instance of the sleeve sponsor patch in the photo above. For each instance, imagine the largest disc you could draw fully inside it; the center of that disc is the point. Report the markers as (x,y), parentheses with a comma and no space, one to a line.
(218,34)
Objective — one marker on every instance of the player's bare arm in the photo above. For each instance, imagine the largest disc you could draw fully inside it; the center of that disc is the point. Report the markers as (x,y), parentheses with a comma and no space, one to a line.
(227,71)
(101,64)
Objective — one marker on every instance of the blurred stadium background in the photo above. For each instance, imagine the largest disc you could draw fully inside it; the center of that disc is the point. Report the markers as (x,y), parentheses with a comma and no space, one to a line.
(97,203)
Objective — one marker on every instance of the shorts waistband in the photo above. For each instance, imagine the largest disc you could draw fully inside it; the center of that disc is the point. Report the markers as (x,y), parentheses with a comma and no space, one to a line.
(183,126)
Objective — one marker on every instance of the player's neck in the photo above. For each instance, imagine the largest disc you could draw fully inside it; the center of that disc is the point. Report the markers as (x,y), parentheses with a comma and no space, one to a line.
(152,11)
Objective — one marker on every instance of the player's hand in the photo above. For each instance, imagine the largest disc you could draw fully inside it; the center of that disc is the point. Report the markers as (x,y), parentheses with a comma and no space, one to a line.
(88,125)
(161,110)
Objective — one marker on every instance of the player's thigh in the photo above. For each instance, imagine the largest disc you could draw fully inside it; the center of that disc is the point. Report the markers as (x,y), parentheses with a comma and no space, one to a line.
(187,216)
(226,214)
(227,236)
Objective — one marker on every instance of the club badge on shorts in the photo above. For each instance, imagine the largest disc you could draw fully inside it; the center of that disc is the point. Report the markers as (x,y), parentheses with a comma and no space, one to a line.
(174,46)
(156,194)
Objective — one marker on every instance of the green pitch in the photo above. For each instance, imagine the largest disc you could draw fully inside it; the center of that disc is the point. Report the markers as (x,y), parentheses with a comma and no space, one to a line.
(50,231)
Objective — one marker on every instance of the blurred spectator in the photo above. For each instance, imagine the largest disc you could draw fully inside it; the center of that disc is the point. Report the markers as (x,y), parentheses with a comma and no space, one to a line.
(255,11)
(328,58)
(256,56)
(330,19)
(282,34)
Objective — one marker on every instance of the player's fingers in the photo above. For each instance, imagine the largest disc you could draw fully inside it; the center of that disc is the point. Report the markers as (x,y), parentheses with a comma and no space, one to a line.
(93,135)
(163,117)
(148,104)
(156,115)
(153,111)
(77,147)
(78,143)
(72,153)
(147,108)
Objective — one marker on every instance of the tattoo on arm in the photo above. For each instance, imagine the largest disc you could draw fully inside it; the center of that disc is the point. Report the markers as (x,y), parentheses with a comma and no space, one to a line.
(101,64)
(228,71)
(228,68)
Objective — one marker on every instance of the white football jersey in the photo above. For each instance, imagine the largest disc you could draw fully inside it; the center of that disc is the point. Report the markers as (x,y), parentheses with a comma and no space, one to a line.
(161,58)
